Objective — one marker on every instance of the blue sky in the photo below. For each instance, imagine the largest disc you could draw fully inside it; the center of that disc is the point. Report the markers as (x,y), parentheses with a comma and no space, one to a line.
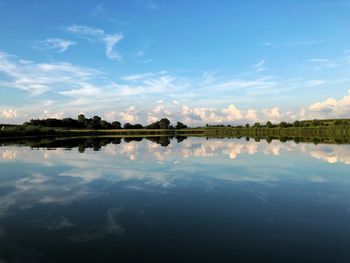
(195,61)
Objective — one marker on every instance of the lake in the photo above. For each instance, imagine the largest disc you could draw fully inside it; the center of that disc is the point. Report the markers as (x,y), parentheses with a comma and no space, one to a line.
(174,200)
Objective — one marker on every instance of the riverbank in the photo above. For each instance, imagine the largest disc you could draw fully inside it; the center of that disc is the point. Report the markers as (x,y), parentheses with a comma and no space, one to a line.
(37,132)
(330,134)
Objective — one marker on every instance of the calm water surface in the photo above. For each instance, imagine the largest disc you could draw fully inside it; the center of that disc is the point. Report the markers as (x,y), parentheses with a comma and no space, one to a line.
(198,200)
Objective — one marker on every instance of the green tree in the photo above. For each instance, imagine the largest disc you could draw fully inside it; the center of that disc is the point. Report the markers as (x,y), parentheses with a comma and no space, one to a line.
(180,125)
(81,118)
(337,122)
(116,125)
(282,124)
(127,126)
(164,123)
(316,123)
(296,124)
(269,124)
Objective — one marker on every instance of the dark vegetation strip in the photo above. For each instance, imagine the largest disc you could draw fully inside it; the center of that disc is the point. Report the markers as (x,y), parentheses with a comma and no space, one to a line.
(332,131)
(324,134)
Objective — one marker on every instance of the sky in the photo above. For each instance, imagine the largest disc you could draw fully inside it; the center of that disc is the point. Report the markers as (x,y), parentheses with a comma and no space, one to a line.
(136,61)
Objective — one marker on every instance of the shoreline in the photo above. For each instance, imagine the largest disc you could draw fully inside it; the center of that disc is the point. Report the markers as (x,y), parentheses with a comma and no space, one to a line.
(335,134)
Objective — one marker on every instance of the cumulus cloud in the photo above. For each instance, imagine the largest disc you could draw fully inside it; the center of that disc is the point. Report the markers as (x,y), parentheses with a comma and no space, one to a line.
(110,116)
(202,115)
(232,113)
(175,97)
(9,114)
(330,108)
(272,114)
(159,112)
(130,115)
(251,115)
(98,35)
(324,106)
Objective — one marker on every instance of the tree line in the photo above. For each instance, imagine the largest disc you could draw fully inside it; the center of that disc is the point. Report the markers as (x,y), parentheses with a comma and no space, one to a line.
(283,124)
(97,122)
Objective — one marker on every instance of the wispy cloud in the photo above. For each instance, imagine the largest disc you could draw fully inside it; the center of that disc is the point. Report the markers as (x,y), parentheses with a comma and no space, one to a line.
(318,60)
(142,76)
(38,78)
(315,82)
(58,44)
(192,100)
(98,35)
(208,77)
(260,66)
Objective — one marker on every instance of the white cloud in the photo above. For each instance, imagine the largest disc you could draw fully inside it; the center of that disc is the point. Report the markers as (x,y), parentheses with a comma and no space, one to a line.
(143,76)
(38,78)
(329,108)
(208,77)
(111,41)
(80,89)
(232,113)
(9,114)
(324,106)
(260,66)
(130,115)
(49,114)
(110,116)
(272,114)
(159,112)
(315,82)
(61,45)
(84,90)
(251,115)
(98,35)
(161,109)
(318,60)
(323,63)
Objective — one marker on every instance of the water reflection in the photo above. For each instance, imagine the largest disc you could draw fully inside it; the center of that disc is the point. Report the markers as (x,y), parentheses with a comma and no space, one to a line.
(163,147)
(173,199)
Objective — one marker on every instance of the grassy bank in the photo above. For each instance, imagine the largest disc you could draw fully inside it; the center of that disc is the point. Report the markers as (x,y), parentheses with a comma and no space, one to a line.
(330,134)
(327,131)
(37,131)
(24,131)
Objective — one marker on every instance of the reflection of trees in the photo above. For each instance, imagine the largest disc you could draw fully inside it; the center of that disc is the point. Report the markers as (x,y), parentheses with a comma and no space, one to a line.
(132,139)
(83,143)
(180,138)
(196,147)
(163,140)
(341,139)
(96,143)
